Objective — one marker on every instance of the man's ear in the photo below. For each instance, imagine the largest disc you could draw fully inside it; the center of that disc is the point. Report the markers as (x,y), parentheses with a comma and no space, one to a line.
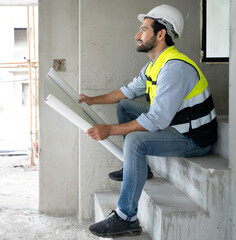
(161,34)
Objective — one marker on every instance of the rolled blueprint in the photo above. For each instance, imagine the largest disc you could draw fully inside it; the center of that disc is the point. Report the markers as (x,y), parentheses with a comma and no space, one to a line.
(71,115)
(74,95)
(50,87)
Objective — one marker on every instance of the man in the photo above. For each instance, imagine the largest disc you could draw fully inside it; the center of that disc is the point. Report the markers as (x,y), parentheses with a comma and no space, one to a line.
(179,121)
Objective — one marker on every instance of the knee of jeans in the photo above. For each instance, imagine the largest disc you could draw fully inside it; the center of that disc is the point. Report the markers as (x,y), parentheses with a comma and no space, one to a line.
(120,104)
(133,142)
(120,107)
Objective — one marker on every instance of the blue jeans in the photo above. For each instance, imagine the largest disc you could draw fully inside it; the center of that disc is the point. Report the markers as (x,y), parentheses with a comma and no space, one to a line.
(164,143)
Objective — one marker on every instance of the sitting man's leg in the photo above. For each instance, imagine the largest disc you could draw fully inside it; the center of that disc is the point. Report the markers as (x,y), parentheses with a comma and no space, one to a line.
(166,143)
(126,111)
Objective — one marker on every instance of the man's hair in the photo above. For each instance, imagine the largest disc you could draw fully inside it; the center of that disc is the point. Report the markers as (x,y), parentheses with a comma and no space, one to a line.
(157,27)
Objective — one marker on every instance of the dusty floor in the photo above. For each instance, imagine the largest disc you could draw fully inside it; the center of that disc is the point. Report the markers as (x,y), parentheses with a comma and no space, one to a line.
(19,216)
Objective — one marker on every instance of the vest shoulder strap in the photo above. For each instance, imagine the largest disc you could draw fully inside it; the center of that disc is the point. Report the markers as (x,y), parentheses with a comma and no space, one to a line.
(169,54)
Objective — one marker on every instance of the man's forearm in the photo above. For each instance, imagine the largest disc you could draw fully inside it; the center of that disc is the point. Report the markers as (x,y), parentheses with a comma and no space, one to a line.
(125,128)
(101,131)
(109,98)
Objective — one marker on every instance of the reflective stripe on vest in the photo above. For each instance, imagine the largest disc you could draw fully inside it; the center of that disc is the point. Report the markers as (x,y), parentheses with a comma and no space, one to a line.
(183,128)
(196,117)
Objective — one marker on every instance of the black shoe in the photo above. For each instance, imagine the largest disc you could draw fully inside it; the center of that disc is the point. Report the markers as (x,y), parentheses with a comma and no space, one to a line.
(115,226)
(118,175)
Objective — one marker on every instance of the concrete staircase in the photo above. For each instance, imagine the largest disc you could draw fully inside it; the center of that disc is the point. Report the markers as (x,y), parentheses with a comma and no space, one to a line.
(188,199)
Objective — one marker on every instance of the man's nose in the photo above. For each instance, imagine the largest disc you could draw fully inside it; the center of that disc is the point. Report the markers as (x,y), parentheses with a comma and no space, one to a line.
(138,35)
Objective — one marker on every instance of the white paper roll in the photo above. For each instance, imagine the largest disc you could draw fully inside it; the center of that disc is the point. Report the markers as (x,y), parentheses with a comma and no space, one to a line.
(66,112)
(69,114)
(50,87)
(74,95)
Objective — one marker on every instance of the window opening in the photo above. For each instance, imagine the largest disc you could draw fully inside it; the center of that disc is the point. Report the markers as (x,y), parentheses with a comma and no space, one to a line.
(20,43)
(215,30)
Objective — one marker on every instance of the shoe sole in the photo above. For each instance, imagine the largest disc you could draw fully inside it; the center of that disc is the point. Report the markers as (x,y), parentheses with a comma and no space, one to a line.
(115,235)
(150,175)
(116,179)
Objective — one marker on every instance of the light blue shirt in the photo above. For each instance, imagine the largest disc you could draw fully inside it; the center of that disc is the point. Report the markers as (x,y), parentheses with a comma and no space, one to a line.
(175,81)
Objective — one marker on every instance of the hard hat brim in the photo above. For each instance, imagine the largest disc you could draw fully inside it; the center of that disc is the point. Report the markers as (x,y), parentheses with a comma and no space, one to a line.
(141,17)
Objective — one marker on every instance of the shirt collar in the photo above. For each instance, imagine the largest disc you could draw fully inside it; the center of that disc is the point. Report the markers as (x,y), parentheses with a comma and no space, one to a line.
(160,54)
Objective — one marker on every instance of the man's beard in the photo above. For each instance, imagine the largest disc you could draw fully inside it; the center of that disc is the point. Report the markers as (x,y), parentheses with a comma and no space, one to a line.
(148,46)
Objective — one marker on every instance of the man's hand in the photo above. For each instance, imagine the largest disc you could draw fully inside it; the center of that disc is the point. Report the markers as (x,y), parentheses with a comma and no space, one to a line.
(86,99)
(99,132)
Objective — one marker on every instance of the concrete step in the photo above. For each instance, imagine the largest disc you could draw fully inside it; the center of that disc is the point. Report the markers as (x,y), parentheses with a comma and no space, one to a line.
(104,203)
(168,214)
(200,178)
(207,181)
(164,211)
(221,147)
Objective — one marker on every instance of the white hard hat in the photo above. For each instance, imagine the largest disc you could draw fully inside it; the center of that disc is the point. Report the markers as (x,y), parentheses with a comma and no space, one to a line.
(168,16)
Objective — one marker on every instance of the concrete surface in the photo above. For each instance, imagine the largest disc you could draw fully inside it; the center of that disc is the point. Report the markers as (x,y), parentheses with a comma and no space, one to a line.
(232,112)
(168,214)
(58,143)
(194,176)
(221,147)
(207,181)
(164,211)
(19,216)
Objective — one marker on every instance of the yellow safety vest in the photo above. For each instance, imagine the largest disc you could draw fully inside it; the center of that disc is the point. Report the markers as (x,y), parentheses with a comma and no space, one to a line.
(196,117)
(171,53)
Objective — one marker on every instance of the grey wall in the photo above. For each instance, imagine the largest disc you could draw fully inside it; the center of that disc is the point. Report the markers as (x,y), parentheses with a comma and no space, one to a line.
(58,38)
(232,112)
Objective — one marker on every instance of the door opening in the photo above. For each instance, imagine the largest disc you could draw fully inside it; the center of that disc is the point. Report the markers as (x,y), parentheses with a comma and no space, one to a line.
(19,81)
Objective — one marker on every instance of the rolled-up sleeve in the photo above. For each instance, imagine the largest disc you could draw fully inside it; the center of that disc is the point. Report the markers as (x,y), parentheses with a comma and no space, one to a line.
(174,82)
(137,87)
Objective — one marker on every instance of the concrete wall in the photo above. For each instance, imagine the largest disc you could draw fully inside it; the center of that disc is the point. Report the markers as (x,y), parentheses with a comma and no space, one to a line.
(58,38)
(232,112)
(107,60)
